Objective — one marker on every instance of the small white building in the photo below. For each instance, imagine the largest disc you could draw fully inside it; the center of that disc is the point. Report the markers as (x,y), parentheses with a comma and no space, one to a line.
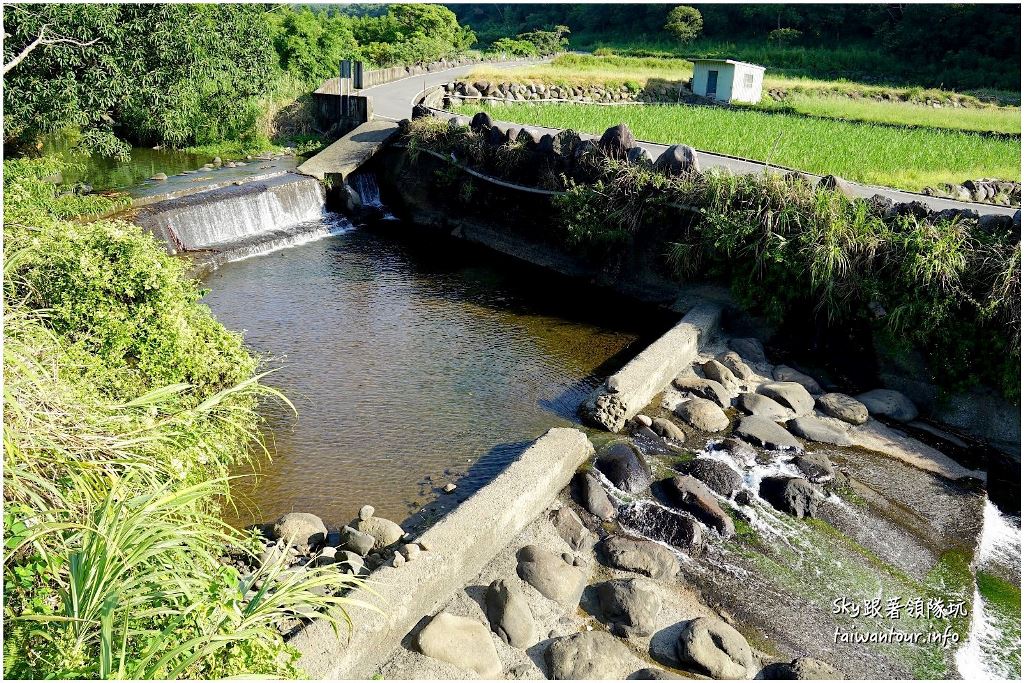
(727,80)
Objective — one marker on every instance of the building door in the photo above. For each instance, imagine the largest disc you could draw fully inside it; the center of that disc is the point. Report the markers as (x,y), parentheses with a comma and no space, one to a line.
(712,88)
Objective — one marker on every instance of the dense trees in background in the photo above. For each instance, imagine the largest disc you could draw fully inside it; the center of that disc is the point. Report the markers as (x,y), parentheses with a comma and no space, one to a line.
(684,23)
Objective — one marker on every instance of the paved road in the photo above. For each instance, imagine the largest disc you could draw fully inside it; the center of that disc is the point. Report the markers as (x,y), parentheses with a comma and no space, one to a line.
(394,101)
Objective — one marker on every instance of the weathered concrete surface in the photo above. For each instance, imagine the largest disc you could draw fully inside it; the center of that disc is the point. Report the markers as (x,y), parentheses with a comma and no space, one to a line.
(629,390)
(460,545)
(351,151)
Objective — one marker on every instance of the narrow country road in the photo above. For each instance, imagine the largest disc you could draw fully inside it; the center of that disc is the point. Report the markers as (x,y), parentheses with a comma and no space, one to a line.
(394,101)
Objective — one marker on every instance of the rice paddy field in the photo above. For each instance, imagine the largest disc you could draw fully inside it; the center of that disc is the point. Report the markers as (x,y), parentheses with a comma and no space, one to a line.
(907,158)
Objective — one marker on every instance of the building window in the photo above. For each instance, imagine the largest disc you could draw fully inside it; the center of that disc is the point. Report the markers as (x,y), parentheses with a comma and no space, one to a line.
(748,80)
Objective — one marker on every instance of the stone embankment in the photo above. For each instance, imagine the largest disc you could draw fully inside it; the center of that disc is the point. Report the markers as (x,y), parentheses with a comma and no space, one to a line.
(984,190)
(514,91)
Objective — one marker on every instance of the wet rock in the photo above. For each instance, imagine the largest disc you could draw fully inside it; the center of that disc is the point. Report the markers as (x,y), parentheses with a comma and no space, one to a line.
(642,557)
(570,527)
(591,655)
(792,495)
(750,348)
(790,395)
(762,406)
(763,432)
(617,141)
(739,450)
(784,373)
(703,415)
(802,669)
(716,371)
(355,541)
(631,606)
(384,531)
(715,474)
(815,466)
(649,443)
(843,407)
(662,524)
(592,496)
(744,497)
(554,578)
(732,360)
(300,529)
(462,642)
(652,674)
(703,388)
(449,488)
(668,429)
(889,403)
(814,429)
(624,467)
(159,176)
(509,614)
(690,494)
(678,160)
(715,648)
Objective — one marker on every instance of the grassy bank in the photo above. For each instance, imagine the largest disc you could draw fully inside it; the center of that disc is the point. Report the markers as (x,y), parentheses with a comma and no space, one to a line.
(905,158)
(125,405)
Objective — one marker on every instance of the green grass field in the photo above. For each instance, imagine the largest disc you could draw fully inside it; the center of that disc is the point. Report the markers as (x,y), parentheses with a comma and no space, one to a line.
(909,158)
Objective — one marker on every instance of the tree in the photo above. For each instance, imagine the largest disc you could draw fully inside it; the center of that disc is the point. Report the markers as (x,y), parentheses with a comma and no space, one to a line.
(784,36)
(684,23)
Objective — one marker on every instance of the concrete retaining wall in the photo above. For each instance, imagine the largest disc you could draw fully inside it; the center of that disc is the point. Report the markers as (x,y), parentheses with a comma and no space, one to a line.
(461,544)
(632,388)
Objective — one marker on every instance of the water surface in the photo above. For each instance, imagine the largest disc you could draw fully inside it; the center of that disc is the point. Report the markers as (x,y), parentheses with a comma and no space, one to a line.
(412,364)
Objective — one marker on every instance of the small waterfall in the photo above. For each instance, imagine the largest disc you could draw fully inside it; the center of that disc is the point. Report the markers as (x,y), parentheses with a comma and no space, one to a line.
(365,185)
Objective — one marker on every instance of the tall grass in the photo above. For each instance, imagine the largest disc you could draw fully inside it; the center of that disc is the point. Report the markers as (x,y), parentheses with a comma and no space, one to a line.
(910,158)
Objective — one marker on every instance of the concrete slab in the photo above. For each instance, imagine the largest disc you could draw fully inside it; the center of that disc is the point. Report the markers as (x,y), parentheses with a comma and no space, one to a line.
(351,151)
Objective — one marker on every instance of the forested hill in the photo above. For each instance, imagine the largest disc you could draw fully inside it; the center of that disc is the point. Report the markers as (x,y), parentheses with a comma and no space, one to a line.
(960,46)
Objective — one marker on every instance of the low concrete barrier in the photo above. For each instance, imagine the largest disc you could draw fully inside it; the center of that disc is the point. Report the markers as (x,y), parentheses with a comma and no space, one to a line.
(629,390)
(461,544)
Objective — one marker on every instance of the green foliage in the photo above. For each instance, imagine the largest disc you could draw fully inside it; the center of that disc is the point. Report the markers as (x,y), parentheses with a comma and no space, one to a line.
(310,46)
(513,47)
(409,33)
(784,36)
(547,42)
(684,23)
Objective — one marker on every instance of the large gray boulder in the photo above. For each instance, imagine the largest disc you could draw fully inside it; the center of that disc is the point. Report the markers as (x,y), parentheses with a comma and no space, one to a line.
(715,474)
(740,451)
(592,496)
(692,495)
(815,429)
(356,541)
(843,407)
(552,576)
(762,406)
(815,466)
(642,557)
(617,141)
(384,531)
(704,388)
(640,155)
(715,648)
(570,527)
(702,414)
(662,524)
(750,348)
(462,642)
(631,606)
(761,431)
(481,122)
(300,529)
(678,160)
(792,495)
(802,669)
(784,373)
(625,467)
(591,655)
(889,403)
(736,365)
(510,615)
(789,394)
(716,371)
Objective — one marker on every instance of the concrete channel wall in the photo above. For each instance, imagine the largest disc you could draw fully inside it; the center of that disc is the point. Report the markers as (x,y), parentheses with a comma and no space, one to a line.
(461,544)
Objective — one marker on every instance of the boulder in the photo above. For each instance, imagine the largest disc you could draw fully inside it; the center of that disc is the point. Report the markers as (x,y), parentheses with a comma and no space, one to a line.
(552,576)
(356,541)
(739,450)
(496,135)
(481,121)
(889,403)
(159,176)
(714,474)
(459,122)
(815,466)
(462,642)
(528,137)
(789,394)
(802,669)
(301,529)
(624,467)
(732,360)
(590,655)
(662,524)
(834,183)
(703,388)
(715,648)
(784,373)
(843,407)
(716,371)
(750,348)
(690,494)
(792,495)
(564,144)
(384,531)
(702,415)
(815,429)
(668,429)
(649,443)
(349,562)
(631,606)
(570,527)
(642,557)
(639,155)
(592,496)
(652,674)
(763,432)
(678,160)
(616,142)
(762,406)
(509,614)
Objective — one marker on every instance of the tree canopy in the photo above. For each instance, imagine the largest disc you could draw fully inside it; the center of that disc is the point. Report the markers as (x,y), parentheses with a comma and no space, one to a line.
(684,23)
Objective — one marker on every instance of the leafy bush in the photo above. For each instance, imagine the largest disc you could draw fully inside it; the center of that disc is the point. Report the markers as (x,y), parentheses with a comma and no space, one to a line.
(684,23)
(784,36)
(513,47)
